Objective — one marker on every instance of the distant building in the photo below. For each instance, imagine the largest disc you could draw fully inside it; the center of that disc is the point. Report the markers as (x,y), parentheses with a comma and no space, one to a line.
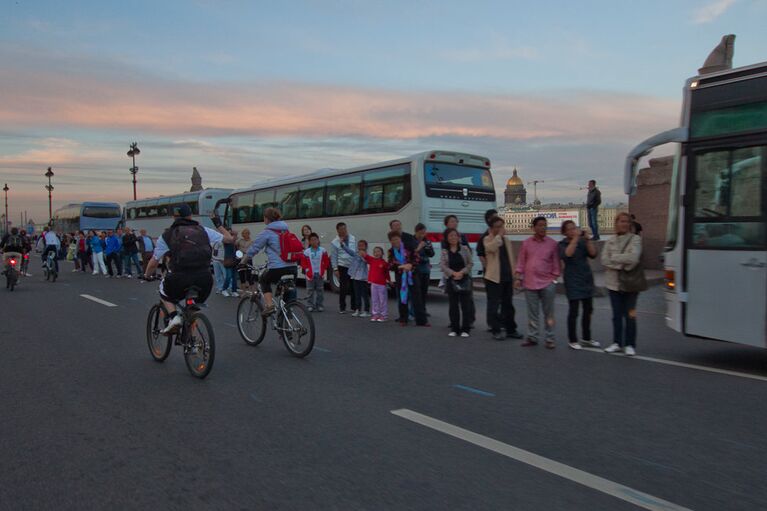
(515,195)
(518,220)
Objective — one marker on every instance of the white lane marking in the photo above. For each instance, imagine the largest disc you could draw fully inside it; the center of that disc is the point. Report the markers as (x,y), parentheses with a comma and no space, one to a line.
(99,300)
(685,365)
(636,497)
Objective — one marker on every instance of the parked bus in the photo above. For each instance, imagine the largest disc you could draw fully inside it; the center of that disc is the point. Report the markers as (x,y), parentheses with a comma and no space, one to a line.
(716,247)
(424,188)
(84,216)
(156,214)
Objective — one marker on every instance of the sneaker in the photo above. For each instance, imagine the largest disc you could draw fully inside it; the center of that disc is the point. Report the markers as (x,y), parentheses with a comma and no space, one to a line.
(629,351)
(310,308)
(613,348)
(268,311)
(73,271)
(381,320)
(320,309)
(373,319)
(575,345)
(528,343)
(464,334)
(590,343)
(452,334)
(550,345)
(95,273)
(173,325)
(498,336)
(128,276)
(355,314)
(342,312)
(225,293)
(364,314)
(514,335)
(218,291)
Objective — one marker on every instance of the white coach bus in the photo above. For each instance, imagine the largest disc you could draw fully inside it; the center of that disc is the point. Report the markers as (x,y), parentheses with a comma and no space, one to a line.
(716,246)
(156,214)
(423,188)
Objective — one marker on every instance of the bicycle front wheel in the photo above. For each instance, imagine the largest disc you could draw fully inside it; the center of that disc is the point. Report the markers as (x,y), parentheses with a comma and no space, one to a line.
(200,348)
(250,322)
(295,326)
(159,345)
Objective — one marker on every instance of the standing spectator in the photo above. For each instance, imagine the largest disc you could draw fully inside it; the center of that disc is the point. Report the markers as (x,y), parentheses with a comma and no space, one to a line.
(575,250)
(402,261)
(306,232)
(489,215)
(358,271)
(112,253)
(219,272)
(425,252)
(636,227)
(451,222)
(247,279)
(341,261)
(230,266)
(315,265)
(146,245)
(378,278)
(456,263)
(82,251)
(97,253)
(621,253)
(593,200)
(499,281)
(538,268)
(130,254)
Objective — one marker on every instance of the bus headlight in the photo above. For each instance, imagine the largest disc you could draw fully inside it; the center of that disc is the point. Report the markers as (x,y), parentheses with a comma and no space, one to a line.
(669,280)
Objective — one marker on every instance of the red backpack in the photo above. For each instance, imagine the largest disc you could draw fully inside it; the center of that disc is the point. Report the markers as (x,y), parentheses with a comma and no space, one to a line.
(291,248)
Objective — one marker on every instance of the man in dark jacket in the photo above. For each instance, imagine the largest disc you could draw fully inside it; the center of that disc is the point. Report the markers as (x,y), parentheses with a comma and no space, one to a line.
(593,200)
(130,254)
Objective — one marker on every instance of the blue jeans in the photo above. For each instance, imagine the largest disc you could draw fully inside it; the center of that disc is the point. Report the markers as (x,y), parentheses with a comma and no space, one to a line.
(218,274)
(231,279)
(624,311)
(131,258)
(594,222)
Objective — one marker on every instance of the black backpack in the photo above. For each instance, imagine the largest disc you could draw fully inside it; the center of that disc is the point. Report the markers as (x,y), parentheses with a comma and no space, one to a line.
(189,246)
(14,242)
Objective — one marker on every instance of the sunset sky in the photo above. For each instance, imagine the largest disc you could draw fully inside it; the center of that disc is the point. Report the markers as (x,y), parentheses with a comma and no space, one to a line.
(246,90)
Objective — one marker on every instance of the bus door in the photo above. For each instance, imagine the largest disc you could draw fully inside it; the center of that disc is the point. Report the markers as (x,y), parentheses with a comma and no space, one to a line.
(726,242)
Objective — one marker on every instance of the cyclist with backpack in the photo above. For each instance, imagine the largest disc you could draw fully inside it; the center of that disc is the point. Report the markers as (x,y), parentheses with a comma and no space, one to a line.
(190,247)
(283,252)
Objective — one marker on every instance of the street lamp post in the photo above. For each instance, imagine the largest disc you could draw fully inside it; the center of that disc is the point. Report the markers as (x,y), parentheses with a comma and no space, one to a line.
(49,187)
(5,218)
(133,152)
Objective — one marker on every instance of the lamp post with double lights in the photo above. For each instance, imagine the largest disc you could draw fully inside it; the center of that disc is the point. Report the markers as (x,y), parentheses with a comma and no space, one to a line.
(133,152)
(5,217)
(49,187)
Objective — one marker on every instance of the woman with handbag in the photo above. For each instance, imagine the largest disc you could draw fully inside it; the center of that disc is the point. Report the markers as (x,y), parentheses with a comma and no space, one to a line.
(456,264)
(624,278)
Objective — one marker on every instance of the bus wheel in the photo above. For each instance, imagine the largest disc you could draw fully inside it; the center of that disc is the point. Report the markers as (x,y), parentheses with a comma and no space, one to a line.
(332,279)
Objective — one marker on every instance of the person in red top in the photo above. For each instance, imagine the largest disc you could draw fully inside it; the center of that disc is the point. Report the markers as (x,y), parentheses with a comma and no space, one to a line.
(82,251)
(537,271)
(378,278)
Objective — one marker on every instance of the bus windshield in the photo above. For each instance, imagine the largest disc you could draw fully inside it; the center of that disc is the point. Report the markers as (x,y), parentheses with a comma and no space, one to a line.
(460,176)
(101,211)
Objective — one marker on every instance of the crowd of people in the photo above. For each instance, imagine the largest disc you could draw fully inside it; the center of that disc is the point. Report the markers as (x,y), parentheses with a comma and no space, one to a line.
(364,280)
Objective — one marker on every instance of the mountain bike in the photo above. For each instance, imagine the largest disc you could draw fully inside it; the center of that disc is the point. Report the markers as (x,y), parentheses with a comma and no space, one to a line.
(291,319)
(49,268)
(196,335)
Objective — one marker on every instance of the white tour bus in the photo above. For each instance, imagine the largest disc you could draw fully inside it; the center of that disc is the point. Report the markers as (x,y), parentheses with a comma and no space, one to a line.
(716,248)
(156,214)
(421,188)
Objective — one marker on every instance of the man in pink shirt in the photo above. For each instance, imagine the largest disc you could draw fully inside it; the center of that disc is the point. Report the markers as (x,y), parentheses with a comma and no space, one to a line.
(537,271)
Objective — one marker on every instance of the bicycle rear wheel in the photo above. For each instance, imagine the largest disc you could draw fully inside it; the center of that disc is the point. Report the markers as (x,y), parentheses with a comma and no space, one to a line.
(295,326)
(159,345)
(200,347)
(250,322)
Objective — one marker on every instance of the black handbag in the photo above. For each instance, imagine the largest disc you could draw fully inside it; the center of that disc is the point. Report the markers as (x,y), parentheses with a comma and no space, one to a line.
(633,280)
(460,287)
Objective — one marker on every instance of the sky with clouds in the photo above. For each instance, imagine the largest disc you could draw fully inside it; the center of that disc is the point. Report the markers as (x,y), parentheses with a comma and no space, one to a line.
(248,90)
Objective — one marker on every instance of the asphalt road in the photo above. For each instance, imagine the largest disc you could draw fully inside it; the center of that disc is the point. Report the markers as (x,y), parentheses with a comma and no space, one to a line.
(90,421)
